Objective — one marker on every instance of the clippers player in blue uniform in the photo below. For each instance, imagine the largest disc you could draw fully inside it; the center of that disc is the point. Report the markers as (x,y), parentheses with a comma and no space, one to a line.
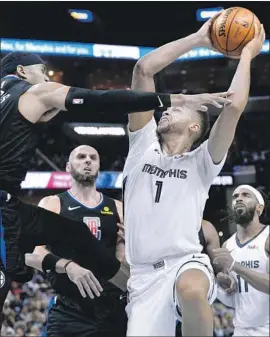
(74,313)
(27,99)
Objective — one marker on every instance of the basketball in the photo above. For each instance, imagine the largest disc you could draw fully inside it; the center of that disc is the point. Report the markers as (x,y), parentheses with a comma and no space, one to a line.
(232,30)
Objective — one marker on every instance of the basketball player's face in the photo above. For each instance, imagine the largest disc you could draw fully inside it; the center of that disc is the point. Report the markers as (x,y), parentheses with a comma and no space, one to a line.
(84,165)
(35,74)
(244,206)
(177,120)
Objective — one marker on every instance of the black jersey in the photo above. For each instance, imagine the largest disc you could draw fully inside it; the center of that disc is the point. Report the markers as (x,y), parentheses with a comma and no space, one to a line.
(18,136)
(102,221)
(202,240)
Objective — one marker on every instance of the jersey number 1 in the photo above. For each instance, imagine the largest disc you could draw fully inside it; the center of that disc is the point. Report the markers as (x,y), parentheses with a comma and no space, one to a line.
(158,192)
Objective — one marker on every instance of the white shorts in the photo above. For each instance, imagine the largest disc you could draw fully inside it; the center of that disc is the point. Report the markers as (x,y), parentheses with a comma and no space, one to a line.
(152,296)
(258,331)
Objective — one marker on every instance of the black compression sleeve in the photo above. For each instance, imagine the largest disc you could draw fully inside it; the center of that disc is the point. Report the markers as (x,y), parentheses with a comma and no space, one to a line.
(122,101)
(49,263)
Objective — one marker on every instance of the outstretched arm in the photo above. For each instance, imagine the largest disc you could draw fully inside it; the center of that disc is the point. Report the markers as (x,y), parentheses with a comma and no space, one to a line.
(155,61)
(223,131)
(49,97)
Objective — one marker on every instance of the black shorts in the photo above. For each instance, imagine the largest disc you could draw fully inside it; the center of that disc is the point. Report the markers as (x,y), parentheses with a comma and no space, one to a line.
(101,319)
(24,226)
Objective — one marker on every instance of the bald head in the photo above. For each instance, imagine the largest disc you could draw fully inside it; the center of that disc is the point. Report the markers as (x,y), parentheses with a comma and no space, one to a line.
(84,164)
(86,149)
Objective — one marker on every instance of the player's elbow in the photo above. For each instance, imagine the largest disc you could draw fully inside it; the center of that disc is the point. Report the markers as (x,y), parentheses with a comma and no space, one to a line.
(238,104)
(237,107)
(142,69)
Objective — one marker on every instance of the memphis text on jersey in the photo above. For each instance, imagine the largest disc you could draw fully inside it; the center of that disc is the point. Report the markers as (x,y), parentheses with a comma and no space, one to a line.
(250,264)
(171,173)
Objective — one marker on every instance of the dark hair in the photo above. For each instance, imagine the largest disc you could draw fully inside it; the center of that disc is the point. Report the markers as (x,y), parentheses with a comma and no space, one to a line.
(204,124)
(204,128)
(264,218)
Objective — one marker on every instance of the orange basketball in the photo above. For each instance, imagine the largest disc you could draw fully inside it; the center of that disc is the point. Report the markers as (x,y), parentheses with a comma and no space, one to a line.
(232,30)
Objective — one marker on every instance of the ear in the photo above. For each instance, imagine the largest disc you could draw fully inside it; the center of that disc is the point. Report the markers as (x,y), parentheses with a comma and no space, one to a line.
(68,167)
(259,209)
(195,127)
(21,71)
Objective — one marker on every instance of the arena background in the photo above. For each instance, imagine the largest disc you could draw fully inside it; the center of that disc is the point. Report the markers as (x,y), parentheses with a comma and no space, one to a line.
(95,45)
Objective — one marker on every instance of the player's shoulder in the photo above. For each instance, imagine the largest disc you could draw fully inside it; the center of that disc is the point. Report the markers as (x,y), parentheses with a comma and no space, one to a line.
(51,203)
(230,243)
(12,83)
(43,88)
(207,224)
(119,207)
(267,244)
(200,148)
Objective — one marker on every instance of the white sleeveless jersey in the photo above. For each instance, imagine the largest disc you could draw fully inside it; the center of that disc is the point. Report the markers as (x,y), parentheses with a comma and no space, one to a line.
(251,305)
(164,198)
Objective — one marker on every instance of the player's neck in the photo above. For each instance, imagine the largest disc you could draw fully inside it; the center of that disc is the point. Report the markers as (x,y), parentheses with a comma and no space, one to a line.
(173,144)
(87,195)
(251,230)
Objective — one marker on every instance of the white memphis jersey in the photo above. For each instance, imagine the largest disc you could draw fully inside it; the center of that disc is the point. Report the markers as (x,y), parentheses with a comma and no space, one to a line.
(251,305)
(164,198)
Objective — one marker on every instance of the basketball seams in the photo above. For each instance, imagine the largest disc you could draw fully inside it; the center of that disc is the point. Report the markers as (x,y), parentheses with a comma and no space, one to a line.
(228,34)
(215,31)
(251,25)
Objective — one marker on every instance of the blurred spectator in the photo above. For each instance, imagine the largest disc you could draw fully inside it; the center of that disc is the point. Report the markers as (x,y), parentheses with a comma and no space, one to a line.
(24,312)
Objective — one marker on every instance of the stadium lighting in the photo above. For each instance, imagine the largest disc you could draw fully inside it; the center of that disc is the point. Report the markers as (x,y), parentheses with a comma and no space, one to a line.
(81,15)
(204,14)
(100,130)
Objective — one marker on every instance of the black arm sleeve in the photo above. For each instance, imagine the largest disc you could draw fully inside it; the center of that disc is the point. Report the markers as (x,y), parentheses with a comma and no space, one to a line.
(120,101)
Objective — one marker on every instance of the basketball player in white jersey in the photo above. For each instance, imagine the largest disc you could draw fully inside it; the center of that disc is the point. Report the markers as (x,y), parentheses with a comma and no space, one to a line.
(165,188)
(246,256)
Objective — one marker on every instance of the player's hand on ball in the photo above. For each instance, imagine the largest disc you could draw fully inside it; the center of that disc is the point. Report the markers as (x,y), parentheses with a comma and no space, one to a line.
(227,282)
(255,45)
(197,102)
(223,258)
(84,280)
(203,34)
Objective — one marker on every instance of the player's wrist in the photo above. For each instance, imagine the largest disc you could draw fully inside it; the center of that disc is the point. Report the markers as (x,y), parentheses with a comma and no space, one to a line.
(246,54)
(236,267)
(61,266)
(177,100)
(200,40)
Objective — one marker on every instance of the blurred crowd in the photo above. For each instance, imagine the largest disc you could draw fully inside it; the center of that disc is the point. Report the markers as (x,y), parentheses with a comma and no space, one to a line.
(25,310)
(251,147)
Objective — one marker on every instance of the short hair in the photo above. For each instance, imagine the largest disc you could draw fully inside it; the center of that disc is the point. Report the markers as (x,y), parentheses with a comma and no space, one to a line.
(204,125)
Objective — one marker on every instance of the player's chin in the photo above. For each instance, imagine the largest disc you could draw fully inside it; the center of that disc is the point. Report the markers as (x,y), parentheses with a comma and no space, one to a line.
(163,127)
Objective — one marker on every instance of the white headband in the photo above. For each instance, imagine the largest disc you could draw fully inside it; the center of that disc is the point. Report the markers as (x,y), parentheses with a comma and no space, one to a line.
(257,194)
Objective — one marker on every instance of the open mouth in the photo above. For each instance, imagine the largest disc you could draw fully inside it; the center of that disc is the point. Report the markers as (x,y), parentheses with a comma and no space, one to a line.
(164,119)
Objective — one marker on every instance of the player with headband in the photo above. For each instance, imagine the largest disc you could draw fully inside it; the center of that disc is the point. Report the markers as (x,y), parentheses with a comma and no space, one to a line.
(246,256)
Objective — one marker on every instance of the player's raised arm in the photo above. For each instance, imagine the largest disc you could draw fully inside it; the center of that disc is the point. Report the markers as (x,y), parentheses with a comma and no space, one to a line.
(160,58)
(223,131)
